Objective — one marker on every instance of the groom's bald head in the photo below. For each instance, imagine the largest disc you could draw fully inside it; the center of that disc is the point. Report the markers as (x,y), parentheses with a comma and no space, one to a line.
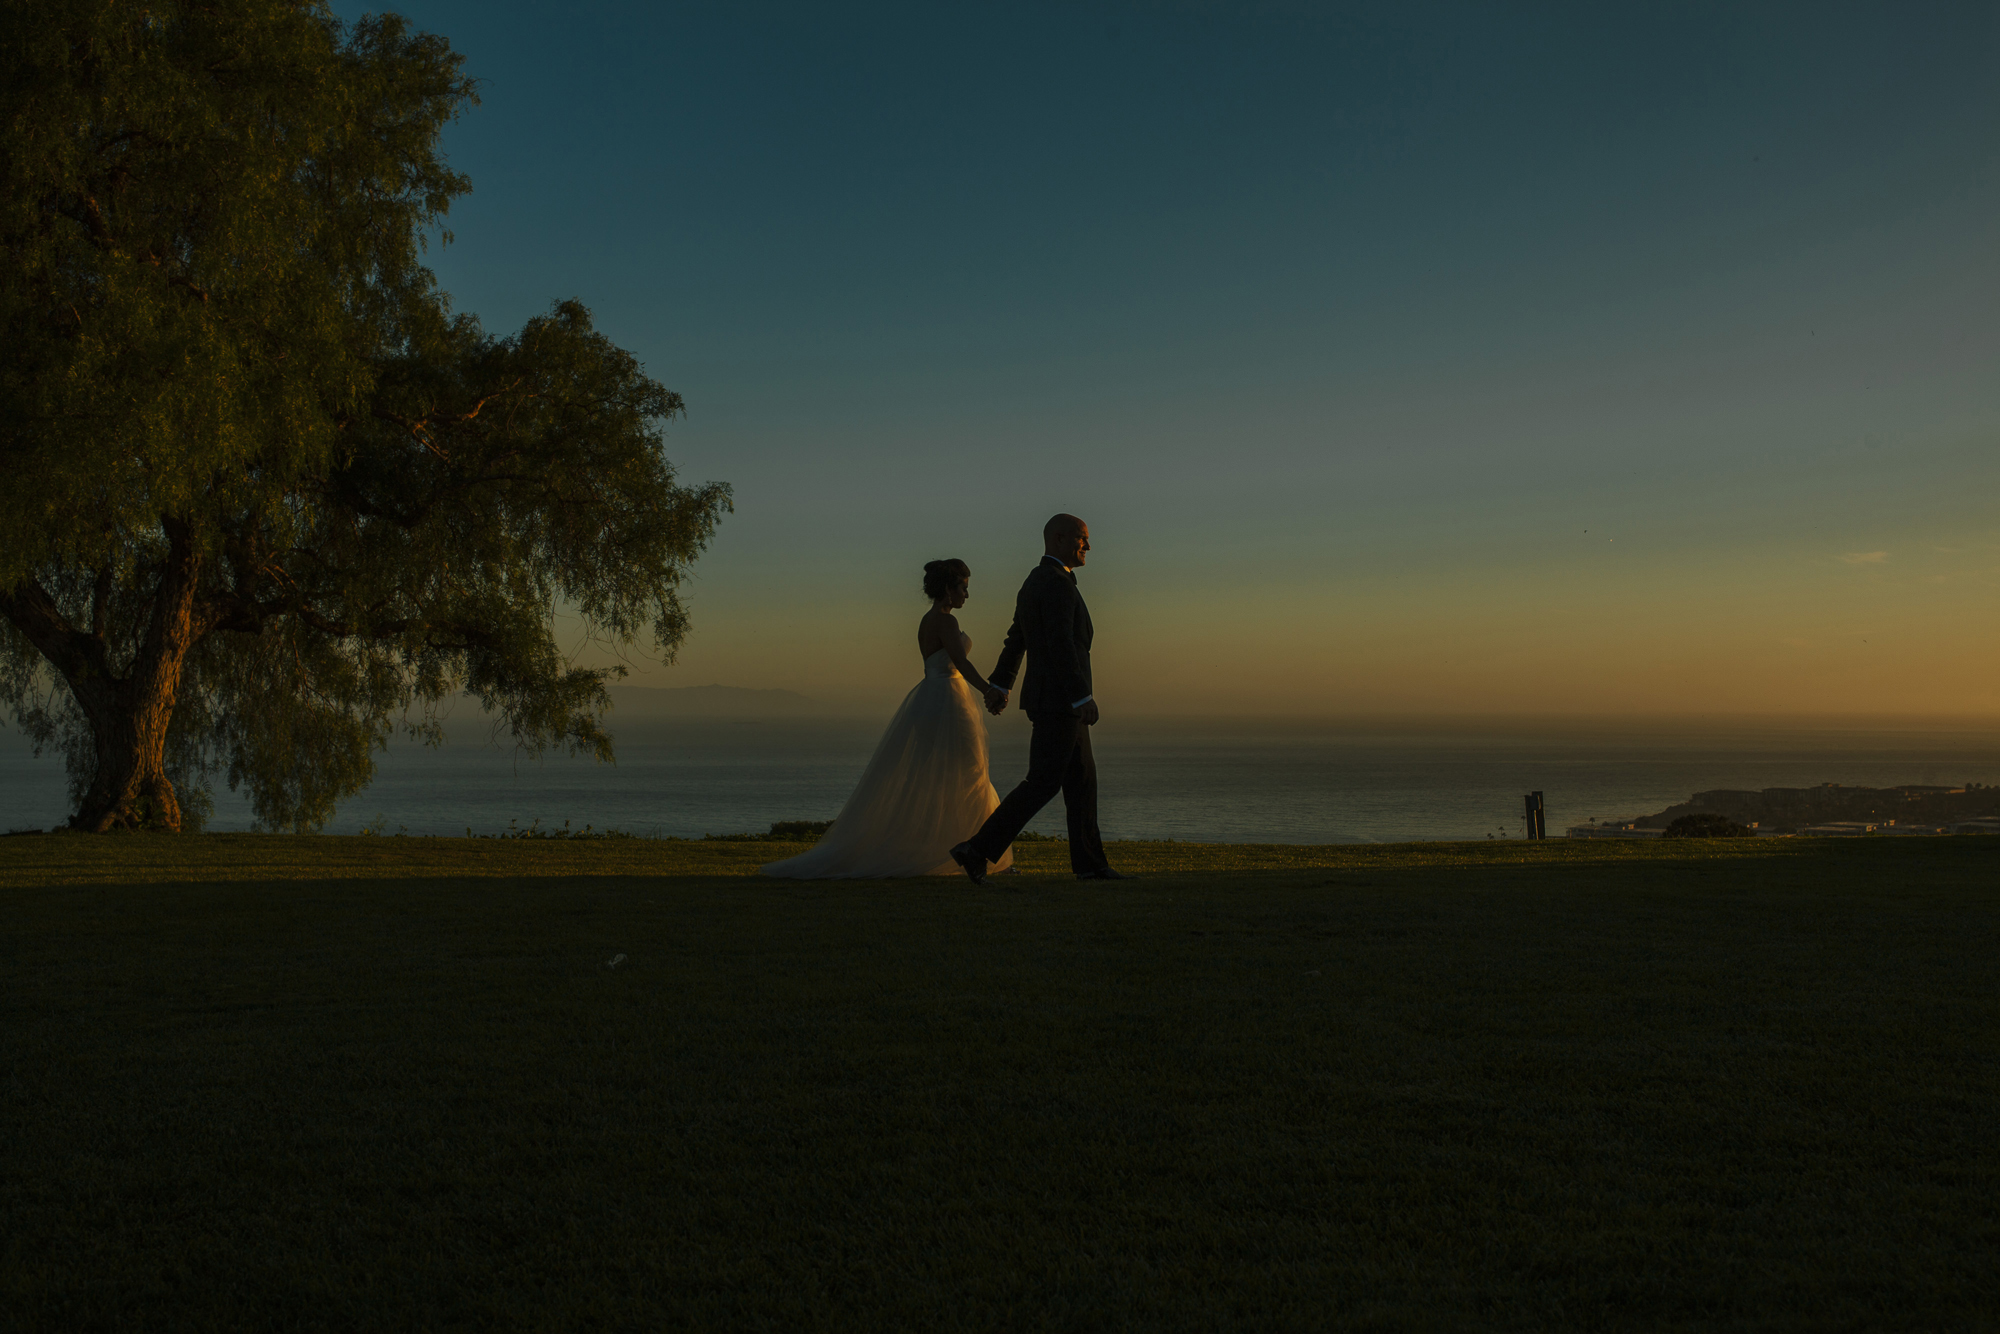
(1066,537)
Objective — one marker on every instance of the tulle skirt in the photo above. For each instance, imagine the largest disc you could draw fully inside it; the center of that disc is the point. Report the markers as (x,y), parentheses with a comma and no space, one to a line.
(925,791)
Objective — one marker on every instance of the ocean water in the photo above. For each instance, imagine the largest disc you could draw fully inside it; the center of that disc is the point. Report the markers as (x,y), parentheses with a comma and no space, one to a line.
(1212,780)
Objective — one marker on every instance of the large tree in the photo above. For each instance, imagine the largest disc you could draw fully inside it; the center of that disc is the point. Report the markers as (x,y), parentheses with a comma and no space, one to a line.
(263,498)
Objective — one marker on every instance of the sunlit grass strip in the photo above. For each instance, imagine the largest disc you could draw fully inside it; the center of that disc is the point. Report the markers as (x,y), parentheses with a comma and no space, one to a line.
(80,859)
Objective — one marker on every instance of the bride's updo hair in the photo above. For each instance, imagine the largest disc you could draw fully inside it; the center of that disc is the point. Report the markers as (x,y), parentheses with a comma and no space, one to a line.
(941,576)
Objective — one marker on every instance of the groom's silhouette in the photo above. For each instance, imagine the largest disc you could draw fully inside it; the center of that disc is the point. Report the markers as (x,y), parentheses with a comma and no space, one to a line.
(1052,626)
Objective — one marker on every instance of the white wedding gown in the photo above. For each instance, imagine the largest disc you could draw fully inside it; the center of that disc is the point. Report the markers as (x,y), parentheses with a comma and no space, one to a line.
(925,791)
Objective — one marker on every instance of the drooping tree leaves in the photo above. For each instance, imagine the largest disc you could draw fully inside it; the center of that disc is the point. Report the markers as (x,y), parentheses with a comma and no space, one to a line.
(265,496)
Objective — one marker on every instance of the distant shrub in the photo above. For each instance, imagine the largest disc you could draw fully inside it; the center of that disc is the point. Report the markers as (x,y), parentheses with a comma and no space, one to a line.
(535,830)
(782,831)
(1704,825)
(1030,836)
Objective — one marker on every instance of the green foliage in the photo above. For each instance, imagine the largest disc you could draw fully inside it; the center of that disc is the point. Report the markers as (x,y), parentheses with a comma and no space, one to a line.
(267,497)
(212,215)
(1704,825)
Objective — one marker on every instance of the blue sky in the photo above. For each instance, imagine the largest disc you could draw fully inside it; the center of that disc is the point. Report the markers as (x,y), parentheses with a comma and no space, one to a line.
(1403,358)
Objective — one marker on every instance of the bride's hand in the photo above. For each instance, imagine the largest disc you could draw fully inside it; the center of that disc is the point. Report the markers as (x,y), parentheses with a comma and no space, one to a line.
(996,700)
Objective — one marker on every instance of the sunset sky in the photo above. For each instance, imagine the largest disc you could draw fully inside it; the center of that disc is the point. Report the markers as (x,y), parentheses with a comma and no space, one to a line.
(1406,359)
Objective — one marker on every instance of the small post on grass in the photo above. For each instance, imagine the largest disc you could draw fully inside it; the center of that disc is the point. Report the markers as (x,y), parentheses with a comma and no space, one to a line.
(1536,827)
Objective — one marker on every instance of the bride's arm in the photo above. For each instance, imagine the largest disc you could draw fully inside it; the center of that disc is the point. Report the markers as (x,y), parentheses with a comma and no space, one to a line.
(954,644)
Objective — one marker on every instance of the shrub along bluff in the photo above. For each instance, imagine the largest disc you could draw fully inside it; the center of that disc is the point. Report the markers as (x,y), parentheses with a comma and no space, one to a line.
(1788,809)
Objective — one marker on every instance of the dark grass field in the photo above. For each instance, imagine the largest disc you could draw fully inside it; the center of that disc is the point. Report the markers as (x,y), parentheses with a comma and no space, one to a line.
(359,1083)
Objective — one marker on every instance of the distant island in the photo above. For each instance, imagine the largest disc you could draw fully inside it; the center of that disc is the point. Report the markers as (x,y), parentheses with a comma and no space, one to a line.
(710,701)
(1912,807)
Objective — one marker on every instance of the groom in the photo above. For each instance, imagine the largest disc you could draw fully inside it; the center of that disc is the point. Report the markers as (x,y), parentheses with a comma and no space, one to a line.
(1052,626)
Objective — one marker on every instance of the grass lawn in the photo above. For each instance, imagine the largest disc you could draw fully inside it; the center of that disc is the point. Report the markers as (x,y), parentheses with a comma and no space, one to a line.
(380,1083)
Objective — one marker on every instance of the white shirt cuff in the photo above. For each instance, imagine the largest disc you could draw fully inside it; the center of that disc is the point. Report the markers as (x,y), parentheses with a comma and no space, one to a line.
(1085,700)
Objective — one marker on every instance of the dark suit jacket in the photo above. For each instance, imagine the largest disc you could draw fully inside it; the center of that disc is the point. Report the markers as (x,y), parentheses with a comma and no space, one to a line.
(1052,626)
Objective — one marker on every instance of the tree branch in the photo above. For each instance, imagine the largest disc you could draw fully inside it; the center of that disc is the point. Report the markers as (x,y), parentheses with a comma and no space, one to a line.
(100,603)
(80,658)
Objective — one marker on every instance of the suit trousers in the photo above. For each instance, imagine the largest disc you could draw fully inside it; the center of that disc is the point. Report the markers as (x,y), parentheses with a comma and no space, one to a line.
(1059,760)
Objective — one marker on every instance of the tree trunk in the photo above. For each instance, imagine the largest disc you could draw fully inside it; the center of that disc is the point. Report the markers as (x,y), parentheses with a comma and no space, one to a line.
(129,788)
(128,715)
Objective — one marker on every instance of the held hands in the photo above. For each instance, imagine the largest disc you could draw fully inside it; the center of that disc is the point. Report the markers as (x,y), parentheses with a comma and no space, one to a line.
(996,700)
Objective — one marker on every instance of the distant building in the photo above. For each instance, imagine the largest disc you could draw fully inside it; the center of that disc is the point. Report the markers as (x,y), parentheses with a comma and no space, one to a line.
(1838,829)
(1610,829)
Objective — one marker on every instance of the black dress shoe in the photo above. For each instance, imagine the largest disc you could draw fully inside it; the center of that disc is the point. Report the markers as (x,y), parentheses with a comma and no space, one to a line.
(970,862)
(1104,873)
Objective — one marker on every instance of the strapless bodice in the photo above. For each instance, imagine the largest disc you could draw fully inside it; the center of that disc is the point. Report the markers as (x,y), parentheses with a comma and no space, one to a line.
(940,663)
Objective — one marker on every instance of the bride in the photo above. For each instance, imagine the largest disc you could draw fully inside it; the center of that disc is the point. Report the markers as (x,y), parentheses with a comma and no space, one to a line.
(926,788)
